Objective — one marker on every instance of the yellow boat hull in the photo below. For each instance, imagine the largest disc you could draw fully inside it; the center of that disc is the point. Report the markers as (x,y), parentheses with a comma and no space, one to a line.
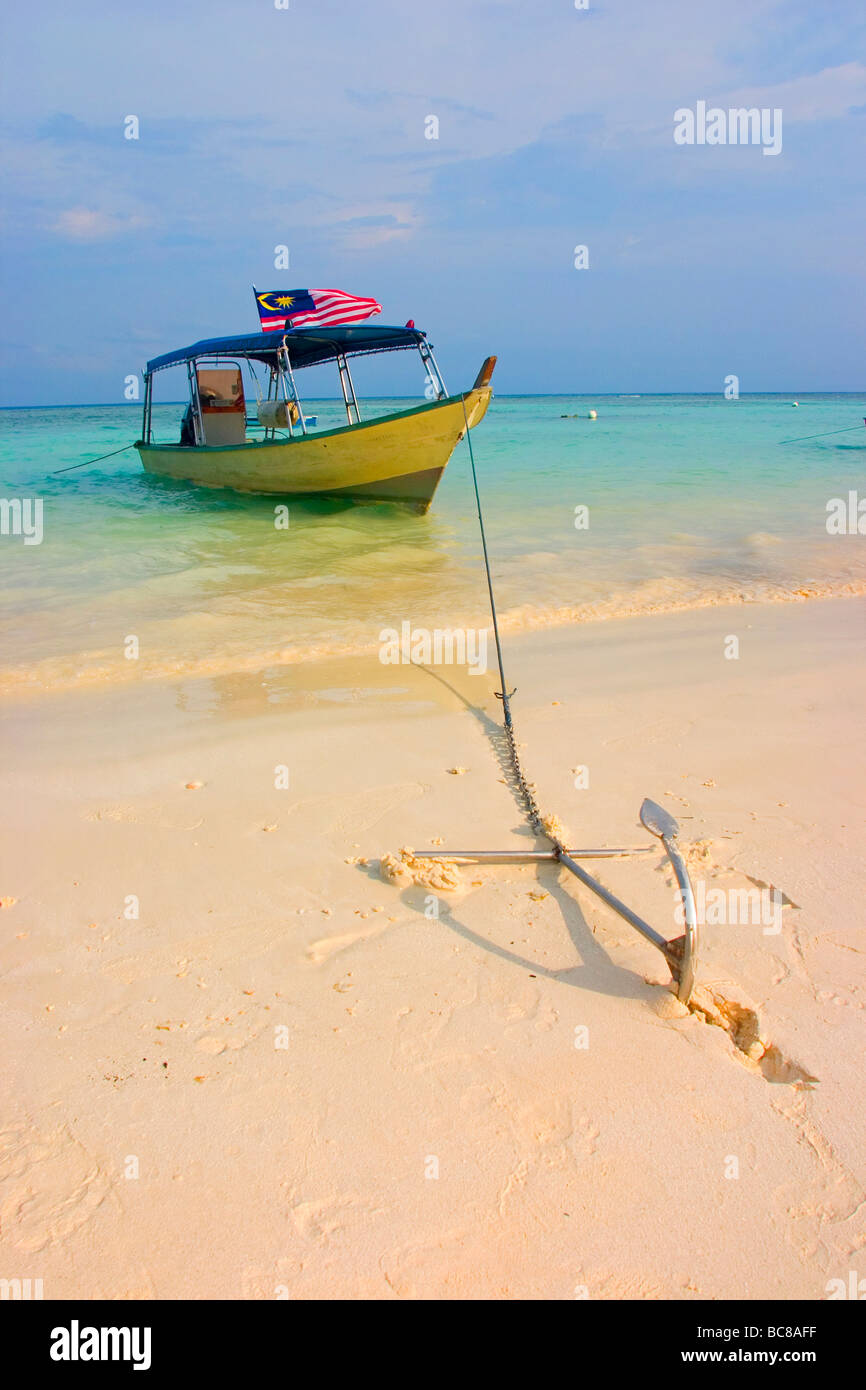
(397,458)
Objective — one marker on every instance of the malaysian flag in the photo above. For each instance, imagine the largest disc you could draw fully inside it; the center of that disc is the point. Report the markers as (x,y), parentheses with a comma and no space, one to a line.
(311,308)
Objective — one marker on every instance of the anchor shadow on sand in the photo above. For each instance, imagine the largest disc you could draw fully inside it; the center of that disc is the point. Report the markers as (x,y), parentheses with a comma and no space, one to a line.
(596,971)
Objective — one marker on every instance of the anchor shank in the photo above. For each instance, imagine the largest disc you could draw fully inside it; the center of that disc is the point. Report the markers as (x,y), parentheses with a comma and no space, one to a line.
(612,901)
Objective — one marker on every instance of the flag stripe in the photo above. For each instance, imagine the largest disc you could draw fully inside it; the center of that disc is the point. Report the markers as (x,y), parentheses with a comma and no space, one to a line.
(332,307)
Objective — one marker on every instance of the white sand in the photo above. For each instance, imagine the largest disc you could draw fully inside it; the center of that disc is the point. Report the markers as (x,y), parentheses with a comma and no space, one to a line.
(413,1042)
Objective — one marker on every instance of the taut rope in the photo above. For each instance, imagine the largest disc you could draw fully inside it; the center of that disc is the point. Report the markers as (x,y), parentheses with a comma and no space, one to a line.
(526,794)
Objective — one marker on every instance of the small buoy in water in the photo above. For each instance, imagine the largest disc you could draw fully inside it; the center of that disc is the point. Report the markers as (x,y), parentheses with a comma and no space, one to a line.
(593,415)
(795,402)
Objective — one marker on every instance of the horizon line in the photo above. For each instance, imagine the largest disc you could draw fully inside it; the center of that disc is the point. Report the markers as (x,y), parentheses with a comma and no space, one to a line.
(501,395)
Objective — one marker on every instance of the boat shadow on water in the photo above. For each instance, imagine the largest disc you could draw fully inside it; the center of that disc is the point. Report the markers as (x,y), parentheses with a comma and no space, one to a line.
(199,497)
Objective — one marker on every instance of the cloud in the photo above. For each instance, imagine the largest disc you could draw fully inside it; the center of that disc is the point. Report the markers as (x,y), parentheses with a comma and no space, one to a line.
(91,224)
(556,130)
(66,129)
(365,226)
(817,96)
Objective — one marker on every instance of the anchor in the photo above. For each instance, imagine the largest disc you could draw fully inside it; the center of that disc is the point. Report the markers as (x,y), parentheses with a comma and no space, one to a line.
(681,952)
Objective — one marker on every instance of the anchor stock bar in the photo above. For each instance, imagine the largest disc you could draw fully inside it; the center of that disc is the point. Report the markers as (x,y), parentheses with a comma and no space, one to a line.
(681,952)
(520,856)
(568,860)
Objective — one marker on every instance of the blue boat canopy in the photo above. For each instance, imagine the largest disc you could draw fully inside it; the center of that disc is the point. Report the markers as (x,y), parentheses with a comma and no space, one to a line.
(307,346)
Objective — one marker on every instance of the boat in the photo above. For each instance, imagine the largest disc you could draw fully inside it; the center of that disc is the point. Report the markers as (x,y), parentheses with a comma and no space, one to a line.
(399,457)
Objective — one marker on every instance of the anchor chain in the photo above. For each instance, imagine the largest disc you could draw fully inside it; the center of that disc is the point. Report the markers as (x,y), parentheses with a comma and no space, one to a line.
(530,805)
(526,795)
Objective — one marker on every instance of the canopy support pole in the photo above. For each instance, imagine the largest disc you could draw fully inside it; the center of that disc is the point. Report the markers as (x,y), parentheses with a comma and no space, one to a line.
(146,411)
(287,372)
(431,366)
(270,434)
(195,402)
(348,387)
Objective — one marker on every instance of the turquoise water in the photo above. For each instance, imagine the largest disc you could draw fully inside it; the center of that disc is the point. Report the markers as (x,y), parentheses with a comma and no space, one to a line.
(692,500)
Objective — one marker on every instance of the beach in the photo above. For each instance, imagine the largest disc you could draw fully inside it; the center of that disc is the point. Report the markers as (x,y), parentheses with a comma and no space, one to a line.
(432,679)
(241,1064)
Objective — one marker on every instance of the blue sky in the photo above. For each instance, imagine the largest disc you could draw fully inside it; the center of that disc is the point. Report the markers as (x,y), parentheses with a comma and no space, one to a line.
(306,127)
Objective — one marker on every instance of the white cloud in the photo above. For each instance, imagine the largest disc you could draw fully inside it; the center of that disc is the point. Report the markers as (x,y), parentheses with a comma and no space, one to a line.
(818,96)
(91,224)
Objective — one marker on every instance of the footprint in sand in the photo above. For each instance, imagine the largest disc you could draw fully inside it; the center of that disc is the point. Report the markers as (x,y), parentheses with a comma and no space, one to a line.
(430,1266)
(321,1220)
(49,1187)
(275,1283)
(627,1286)
(587,1135)
(544,1125)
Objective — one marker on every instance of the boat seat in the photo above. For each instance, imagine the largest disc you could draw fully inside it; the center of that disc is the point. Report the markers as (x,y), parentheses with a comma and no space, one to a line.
(223,408)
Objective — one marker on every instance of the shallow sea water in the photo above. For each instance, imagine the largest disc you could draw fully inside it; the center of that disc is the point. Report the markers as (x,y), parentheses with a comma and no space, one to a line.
(692,501)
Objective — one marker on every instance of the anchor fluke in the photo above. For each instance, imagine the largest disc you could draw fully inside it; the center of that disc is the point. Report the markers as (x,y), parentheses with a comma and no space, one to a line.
(682,954)
(658,821)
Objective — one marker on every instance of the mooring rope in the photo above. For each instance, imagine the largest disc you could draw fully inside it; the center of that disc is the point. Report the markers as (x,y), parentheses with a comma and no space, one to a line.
(825,435)
(85,462)
(527,796)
